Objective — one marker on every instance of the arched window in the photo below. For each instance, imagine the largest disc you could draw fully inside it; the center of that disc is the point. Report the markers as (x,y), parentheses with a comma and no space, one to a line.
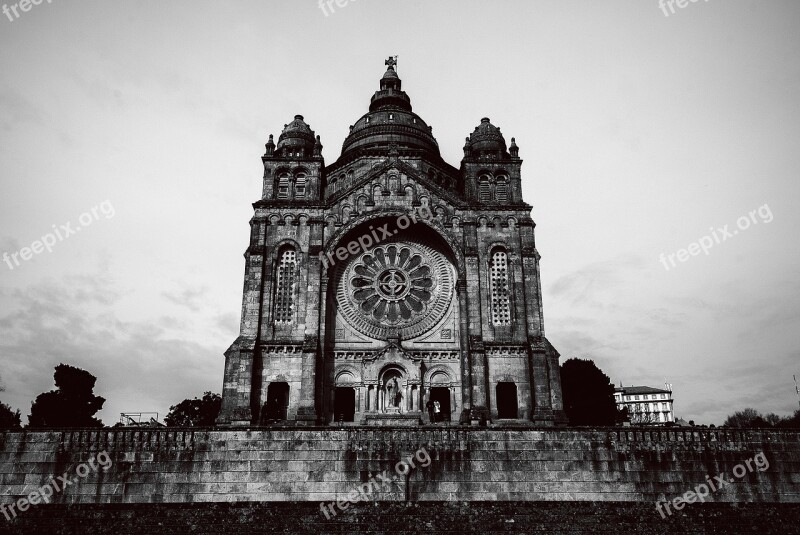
(283,186)
(285,278)
(498,275)
(300,186)
(484,191)
(501,189)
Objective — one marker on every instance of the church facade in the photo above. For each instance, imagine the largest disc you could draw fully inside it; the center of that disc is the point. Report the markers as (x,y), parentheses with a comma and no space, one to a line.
(390,287)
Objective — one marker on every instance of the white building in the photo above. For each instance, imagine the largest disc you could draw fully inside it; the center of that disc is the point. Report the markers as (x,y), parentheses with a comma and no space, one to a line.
(645,404)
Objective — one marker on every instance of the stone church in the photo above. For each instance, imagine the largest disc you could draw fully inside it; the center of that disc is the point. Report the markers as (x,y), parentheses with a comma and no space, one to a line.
(390,287)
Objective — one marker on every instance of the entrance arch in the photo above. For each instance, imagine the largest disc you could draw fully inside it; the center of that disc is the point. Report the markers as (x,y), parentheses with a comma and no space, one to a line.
(507,406)
(277,402)
(442,395)
(344,403)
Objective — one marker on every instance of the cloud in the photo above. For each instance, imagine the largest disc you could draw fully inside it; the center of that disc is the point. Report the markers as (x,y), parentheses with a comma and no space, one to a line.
(15,109)
(190,297)
(593,284)
(9,245)
(137,365)
(228,323)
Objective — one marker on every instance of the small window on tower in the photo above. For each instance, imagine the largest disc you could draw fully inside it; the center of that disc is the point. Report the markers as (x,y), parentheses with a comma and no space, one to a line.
(501,189)
(283,186)
(484,192)
(300,186)
(391,116)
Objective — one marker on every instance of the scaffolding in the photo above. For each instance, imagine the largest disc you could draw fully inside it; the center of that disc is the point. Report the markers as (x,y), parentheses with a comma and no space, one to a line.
(139,419)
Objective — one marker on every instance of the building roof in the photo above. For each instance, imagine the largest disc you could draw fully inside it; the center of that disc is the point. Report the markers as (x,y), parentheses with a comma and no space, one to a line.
(486,139)
(390,120)
(628,390)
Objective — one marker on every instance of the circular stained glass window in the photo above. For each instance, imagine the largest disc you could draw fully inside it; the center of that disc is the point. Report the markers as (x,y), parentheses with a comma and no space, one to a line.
(402,287)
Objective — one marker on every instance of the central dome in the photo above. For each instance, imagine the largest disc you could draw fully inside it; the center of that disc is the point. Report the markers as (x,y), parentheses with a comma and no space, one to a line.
(390,121)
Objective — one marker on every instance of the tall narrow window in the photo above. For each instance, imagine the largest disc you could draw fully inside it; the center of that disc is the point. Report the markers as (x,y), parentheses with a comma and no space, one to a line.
(501,190)
(484,193)
(284,286)
(300,186)
(501,306)
(283,186)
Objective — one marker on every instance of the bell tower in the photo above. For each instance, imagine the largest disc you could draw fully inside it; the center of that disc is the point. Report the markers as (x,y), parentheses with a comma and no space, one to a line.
(281,274)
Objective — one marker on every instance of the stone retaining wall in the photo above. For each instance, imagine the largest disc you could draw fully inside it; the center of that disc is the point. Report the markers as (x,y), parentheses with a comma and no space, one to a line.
(466,464)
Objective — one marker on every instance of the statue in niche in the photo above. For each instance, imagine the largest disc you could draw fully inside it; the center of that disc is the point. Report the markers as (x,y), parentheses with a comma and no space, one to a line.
(393,395)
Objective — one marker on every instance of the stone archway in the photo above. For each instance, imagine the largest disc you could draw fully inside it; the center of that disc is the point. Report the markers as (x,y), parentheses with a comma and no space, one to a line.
(391,308)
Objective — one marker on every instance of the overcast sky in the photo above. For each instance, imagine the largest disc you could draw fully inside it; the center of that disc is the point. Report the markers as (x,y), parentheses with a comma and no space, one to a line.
(639,132)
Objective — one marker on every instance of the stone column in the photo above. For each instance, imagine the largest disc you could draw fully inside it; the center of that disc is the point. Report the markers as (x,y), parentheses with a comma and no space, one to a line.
(556,398)
(466,372)
(477,353)
(542,408)
(237,393)
(236,406)
(312,361)
(475,320)
(307,411)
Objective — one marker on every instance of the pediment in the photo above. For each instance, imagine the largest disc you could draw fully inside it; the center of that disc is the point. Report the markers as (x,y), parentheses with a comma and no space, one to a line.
(381,175)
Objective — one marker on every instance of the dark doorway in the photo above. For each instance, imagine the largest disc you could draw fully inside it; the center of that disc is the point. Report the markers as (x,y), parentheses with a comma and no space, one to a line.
(442,395)
(277,402)
(344,404)
(506,400)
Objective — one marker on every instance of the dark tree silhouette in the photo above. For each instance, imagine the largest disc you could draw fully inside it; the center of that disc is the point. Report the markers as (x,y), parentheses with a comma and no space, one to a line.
(746,418)
(588,394)
(195,412)
(791,422)
(9,419)
(752,418)
(73,404)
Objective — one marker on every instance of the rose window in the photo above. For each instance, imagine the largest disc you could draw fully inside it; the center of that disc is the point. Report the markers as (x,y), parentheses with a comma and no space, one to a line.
(392,284)
(401,287)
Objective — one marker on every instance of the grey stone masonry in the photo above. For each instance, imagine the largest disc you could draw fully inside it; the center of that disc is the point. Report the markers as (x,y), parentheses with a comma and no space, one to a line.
(465,464)
(391,282)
